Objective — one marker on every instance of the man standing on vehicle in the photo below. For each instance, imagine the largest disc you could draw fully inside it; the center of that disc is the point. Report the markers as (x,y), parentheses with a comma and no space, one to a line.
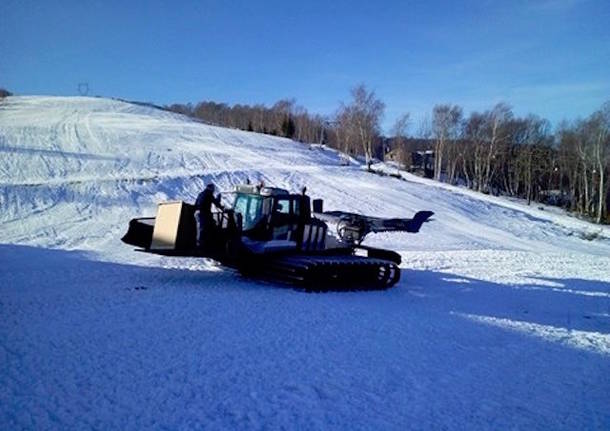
(203,213)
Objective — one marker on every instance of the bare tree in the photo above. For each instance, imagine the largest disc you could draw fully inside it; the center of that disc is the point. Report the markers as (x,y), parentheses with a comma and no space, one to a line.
(585,157)
(568,162)
(300,122)
(535,133)
(488,136)
(497,134)
(360,119)
(600,143)
(345,130)
(445,125)
(399,133)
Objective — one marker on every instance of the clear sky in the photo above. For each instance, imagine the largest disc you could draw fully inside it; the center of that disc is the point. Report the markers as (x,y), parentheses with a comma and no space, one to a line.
(549,57)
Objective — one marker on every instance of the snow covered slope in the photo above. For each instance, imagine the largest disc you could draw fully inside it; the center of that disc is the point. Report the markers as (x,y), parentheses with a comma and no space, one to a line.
(501,318)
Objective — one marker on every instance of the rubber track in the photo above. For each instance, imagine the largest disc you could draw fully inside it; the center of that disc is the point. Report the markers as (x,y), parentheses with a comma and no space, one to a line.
(325,273)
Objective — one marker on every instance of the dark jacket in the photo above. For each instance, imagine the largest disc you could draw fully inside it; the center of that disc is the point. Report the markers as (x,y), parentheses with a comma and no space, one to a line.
(205,200)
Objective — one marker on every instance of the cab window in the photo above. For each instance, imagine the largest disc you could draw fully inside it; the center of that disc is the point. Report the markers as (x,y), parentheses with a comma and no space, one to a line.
(250,208)
(282,206)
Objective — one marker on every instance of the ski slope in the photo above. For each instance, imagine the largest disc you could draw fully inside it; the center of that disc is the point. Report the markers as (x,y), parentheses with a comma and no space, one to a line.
(501,318)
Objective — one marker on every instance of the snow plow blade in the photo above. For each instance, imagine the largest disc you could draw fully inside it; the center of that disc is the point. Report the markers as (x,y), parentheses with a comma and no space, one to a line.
(140,232)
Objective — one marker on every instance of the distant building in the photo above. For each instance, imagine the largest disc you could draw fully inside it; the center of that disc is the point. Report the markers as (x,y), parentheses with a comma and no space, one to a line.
(422,162)
(412,153)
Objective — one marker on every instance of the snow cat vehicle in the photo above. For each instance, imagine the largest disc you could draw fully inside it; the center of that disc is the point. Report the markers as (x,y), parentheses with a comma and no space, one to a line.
(273,234)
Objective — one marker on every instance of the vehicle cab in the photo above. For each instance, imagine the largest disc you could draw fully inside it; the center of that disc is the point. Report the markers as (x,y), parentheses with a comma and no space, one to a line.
(267,213)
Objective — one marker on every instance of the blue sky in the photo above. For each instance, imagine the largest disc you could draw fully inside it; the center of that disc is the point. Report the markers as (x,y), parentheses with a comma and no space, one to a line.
(549,57)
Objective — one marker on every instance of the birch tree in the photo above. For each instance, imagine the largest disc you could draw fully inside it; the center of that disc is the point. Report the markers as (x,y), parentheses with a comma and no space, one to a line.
(361,119)
(399,132)
(600,143)
(446,120)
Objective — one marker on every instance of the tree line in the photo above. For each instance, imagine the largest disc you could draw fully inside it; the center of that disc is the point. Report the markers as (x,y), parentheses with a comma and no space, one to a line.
(494,151)
(285,118)
(497,152)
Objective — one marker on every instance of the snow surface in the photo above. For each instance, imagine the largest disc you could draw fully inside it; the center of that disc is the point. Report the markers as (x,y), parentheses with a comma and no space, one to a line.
(501,319)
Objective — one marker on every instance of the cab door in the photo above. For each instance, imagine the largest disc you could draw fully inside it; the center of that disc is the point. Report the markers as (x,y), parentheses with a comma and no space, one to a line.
(285,218)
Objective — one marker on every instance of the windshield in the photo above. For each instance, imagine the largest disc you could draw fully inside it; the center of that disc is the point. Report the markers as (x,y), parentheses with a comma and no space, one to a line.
(250,208)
